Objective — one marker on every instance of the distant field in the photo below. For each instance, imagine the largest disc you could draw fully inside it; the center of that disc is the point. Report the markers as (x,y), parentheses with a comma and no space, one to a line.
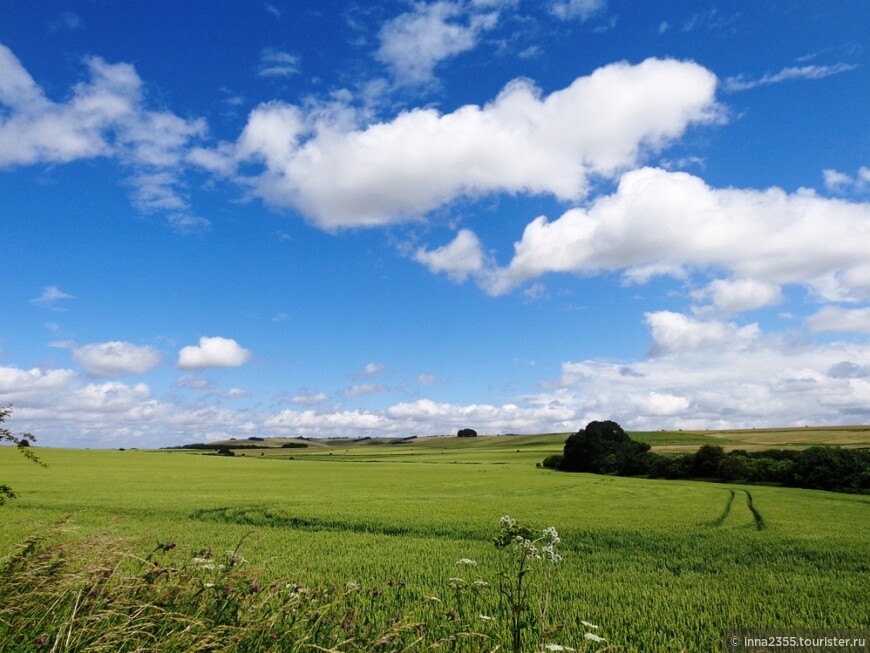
(659,565)
(535,446)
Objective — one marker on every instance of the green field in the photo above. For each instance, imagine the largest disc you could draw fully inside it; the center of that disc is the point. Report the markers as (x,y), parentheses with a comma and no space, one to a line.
(658,565)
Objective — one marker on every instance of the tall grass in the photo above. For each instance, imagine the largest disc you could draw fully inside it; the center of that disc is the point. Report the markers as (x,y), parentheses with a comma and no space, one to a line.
(99,594)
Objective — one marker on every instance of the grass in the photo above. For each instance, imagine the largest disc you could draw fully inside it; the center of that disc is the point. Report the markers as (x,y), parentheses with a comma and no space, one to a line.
(658,565)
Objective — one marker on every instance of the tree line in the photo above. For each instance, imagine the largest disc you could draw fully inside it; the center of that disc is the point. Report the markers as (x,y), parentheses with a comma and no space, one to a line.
(603,447)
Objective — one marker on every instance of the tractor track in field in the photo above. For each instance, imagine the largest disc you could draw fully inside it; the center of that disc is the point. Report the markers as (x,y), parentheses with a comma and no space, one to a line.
(729,503)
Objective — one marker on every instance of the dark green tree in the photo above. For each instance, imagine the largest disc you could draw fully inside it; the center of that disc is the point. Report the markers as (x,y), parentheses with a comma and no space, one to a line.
(603,448)
(22,441)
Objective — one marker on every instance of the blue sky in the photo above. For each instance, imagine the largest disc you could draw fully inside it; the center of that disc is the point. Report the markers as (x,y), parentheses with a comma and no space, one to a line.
(405,218)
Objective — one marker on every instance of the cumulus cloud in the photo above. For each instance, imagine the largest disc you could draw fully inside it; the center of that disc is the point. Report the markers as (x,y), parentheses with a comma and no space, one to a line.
(675,333)
(342,175)
(458,259)
(736,295)
(116,358)
(841,182)
(213,352)
(413,43)
(837,318)
(676,223)
(105,116)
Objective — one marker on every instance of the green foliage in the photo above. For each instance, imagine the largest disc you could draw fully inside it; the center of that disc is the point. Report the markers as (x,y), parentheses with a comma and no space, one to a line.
(466,433)
(818,468)
(602,448)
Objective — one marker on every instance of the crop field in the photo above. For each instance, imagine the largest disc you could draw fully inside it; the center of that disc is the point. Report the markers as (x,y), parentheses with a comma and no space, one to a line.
(657,565)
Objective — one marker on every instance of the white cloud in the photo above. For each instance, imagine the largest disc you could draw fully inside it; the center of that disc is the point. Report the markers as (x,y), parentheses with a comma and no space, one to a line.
(413,43)
(736,295)
(771,384)
(840,182)
(458,259)
(576,9)
(344,176)
(675,333)
(374,368)
(274,63)
(364,389)
(310,398)
(50,296)
(213,352)
(29,385)
(116,358)
(742,83)
(184,224)
(427,379)
(673,221)
(104,116)
(836,318)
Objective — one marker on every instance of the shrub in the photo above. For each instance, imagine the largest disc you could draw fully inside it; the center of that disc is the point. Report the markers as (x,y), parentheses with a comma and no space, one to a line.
(466,433)
(552,462)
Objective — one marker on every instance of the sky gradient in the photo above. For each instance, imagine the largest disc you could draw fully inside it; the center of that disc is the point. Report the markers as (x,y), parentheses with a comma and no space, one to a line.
(405,218)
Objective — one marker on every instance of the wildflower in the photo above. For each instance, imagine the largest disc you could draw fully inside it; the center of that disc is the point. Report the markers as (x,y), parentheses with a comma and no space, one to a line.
(480,584)
(467,562)
(508,522)
(434,599)
(592,637)
(228,590)
(351,586)
(169,546)
(457,582)
(557,647)
(255,588)
(484,617)
(551,534)
(589,625)
(40,640)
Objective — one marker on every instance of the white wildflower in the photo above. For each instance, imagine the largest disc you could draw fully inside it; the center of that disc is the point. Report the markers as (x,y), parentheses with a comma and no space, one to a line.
(457,582)
(467,562)
(433,599)
(508,522)
(351,586)
(480,584)
(552,535)
(486,618)
(589,625)
(592,637)
(557,647)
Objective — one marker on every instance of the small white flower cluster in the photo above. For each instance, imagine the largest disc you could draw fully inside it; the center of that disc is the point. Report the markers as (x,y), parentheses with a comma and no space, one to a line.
(508,522)
(467,562)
